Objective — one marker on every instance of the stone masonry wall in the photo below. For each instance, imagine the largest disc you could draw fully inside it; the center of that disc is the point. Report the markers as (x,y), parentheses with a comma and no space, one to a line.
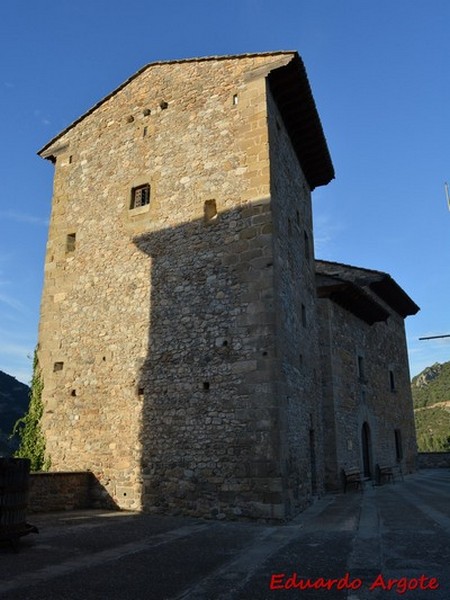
(296,349)
(60,491)
(331,470)
(157,322)
(353,398)
(434,460)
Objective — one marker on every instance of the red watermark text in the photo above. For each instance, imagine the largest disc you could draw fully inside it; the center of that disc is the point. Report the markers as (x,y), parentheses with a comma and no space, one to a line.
(401,585)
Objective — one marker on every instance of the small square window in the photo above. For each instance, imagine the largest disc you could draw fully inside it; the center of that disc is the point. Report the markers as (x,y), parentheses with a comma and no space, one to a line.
(140,196)
(58,366)
(210,210)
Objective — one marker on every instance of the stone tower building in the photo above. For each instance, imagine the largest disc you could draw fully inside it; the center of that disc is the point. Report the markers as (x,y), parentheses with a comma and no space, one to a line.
(179,337)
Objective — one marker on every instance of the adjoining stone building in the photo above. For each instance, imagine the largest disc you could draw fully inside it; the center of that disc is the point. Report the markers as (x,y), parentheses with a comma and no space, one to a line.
(181,337)
(367,407)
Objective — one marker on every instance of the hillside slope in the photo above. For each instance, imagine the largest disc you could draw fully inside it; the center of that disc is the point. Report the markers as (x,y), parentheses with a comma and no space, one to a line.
(14,400)
(431,395)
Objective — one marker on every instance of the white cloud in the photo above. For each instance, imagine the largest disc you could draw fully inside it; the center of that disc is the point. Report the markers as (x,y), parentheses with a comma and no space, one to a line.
(18,350)
(15,359)
(23,375)
(38,114)
(425,353)
(12,303)
(23,218)
(19,371)
(326,230)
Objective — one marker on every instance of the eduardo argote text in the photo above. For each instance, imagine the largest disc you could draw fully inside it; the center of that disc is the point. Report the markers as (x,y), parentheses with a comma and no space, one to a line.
(401,585)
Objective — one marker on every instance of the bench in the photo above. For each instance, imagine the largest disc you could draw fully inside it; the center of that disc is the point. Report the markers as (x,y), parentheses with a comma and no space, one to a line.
(352,477)
(388,473)
(384,473)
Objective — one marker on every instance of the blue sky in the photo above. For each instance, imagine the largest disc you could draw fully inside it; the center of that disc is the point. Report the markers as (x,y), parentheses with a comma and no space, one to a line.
(380,74)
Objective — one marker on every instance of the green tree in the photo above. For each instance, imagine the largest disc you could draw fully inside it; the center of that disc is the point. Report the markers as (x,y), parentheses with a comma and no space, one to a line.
(32,441)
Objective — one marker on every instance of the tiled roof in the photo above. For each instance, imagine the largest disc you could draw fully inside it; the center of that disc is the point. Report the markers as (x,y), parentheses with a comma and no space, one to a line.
(339,282)
(292,92)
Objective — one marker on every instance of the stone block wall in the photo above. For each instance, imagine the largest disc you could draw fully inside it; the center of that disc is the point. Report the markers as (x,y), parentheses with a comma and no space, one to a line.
(357,360)
(434,460)
(296,358)
(206,382)
(60,491)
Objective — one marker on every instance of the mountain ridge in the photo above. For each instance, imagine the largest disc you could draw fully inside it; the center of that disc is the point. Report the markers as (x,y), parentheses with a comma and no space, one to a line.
(431,396)
(14,401)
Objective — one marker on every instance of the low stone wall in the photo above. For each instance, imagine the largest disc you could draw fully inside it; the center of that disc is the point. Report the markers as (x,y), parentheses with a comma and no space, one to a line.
(60,491)
(434,460)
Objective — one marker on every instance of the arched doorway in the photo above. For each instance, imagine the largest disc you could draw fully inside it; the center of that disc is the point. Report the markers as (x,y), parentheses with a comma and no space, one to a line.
(366,450)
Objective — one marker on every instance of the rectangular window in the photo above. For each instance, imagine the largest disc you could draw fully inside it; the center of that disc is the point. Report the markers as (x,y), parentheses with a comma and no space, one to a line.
(306,242)
(361,367)
(71,242)
(140,196)
(392,381)
(303,315)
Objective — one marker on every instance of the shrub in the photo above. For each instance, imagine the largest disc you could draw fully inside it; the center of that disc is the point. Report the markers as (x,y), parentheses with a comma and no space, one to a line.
(32,441)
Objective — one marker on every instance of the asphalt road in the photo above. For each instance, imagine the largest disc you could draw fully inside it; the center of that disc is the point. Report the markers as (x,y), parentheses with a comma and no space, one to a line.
(355,544)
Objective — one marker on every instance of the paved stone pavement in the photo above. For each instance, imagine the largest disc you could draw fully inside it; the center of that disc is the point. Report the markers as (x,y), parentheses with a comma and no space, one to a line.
(397,531)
